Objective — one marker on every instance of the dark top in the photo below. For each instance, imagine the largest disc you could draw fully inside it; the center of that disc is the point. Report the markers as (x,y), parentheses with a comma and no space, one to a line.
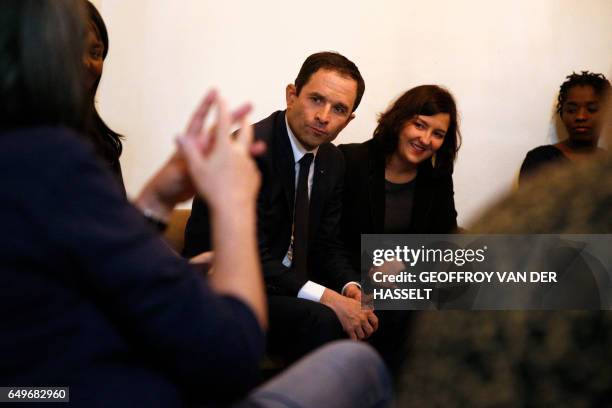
(110,159)
(328,263)
(398,206)
(539,158)
(364,207)
(92,298)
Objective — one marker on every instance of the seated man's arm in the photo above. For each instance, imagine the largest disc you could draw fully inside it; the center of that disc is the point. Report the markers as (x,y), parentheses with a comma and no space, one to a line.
(331,266)
(330,262)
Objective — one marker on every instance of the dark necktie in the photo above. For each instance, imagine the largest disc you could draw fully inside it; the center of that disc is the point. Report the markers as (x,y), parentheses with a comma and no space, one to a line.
(300,218)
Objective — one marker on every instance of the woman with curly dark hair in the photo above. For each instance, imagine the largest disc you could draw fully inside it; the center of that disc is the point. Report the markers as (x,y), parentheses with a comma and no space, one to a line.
(579,105)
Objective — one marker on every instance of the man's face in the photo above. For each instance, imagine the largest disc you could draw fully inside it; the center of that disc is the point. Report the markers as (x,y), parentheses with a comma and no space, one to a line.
(322,109)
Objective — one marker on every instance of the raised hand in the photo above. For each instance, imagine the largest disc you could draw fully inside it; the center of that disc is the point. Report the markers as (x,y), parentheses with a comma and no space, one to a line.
(172,183)
(219,163)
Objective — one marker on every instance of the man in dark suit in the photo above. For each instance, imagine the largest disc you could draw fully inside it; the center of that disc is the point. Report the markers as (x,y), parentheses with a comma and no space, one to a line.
(313,292)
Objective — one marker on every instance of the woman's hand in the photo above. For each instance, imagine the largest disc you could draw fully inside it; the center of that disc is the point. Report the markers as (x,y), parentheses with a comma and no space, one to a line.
(172,183)
(225,175)
(219,163)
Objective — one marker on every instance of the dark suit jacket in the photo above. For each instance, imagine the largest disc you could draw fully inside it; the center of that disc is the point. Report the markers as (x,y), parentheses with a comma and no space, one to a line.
(327,260)
(433,210)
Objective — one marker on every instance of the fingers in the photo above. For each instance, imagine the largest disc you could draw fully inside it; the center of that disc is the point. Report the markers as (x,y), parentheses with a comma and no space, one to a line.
(369,323)
(245,135)
(223,123)
(257,148)
(362,326)
(367,302)
(239,114)
(189,150)
(199,116)
(359,333)
(367,329)
(195,127)
(373,320)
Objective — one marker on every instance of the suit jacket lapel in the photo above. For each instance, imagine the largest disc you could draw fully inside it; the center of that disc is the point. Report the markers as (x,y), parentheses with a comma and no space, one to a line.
(284,163)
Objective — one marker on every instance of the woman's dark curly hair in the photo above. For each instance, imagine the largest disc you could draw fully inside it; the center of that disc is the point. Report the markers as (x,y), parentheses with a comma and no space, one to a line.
(600,85)
(427,100)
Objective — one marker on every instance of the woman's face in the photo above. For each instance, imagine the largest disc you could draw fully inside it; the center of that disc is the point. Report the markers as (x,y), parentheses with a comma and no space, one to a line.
(581,114)
(421,137)
(94,57)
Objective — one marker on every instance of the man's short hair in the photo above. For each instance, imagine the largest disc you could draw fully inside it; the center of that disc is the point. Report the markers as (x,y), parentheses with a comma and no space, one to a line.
(333,62)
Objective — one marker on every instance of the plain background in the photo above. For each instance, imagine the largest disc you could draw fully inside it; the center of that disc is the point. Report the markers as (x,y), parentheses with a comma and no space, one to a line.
(503,60)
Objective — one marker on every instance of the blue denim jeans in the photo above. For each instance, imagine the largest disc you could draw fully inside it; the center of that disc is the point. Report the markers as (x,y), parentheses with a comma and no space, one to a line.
(342,374)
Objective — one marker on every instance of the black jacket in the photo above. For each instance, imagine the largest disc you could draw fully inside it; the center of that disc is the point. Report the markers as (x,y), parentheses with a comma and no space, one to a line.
(327,260)
(433,210)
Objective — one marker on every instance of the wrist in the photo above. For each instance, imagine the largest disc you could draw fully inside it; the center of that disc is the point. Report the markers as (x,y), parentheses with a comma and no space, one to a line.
(152,206)
(231,204)
(328,298)
(233,212)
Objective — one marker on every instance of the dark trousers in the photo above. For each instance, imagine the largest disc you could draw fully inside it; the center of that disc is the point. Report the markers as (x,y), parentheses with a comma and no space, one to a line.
(391,338)
(298,326)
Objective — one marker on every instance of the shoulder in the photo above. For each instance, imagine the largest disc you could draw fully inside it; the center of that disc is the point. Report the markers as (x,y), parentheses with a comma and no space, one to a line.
(539,157)
(575,199)
(361,156)
(544,152)
(358,151)
(267,128)
(45,148)
(331,156)
(48,160)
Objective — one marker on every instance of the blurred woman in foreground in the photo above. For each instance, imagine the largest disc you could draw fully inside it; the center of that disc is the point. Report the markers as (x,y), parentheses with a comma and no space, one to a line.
(91,297)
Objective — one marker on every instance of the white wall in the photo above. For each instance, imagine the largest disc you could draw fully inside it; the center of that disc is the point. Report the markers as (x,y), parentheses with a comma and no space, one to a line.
(504,62)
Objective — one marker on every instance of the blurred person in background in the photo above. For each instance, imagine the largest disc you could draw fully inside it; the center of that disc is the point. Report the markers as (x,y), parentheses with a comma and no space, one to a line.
(580,103)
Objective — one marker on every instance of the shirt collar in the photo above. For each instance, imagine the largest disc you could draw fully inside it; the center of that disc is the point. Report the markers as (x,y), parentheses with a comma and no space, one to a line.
(298,149)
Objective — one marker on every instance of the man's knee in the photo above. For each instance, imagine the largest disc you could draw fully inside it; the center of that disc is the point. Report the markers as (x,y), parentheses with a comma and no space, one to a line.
(368,371)
(324,322)
(355,353)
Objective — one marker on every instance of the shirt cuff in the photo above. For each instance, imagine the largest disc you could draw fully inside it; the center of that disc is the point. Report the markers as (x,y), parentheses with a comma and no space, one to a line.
(311,291)
(350,283)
